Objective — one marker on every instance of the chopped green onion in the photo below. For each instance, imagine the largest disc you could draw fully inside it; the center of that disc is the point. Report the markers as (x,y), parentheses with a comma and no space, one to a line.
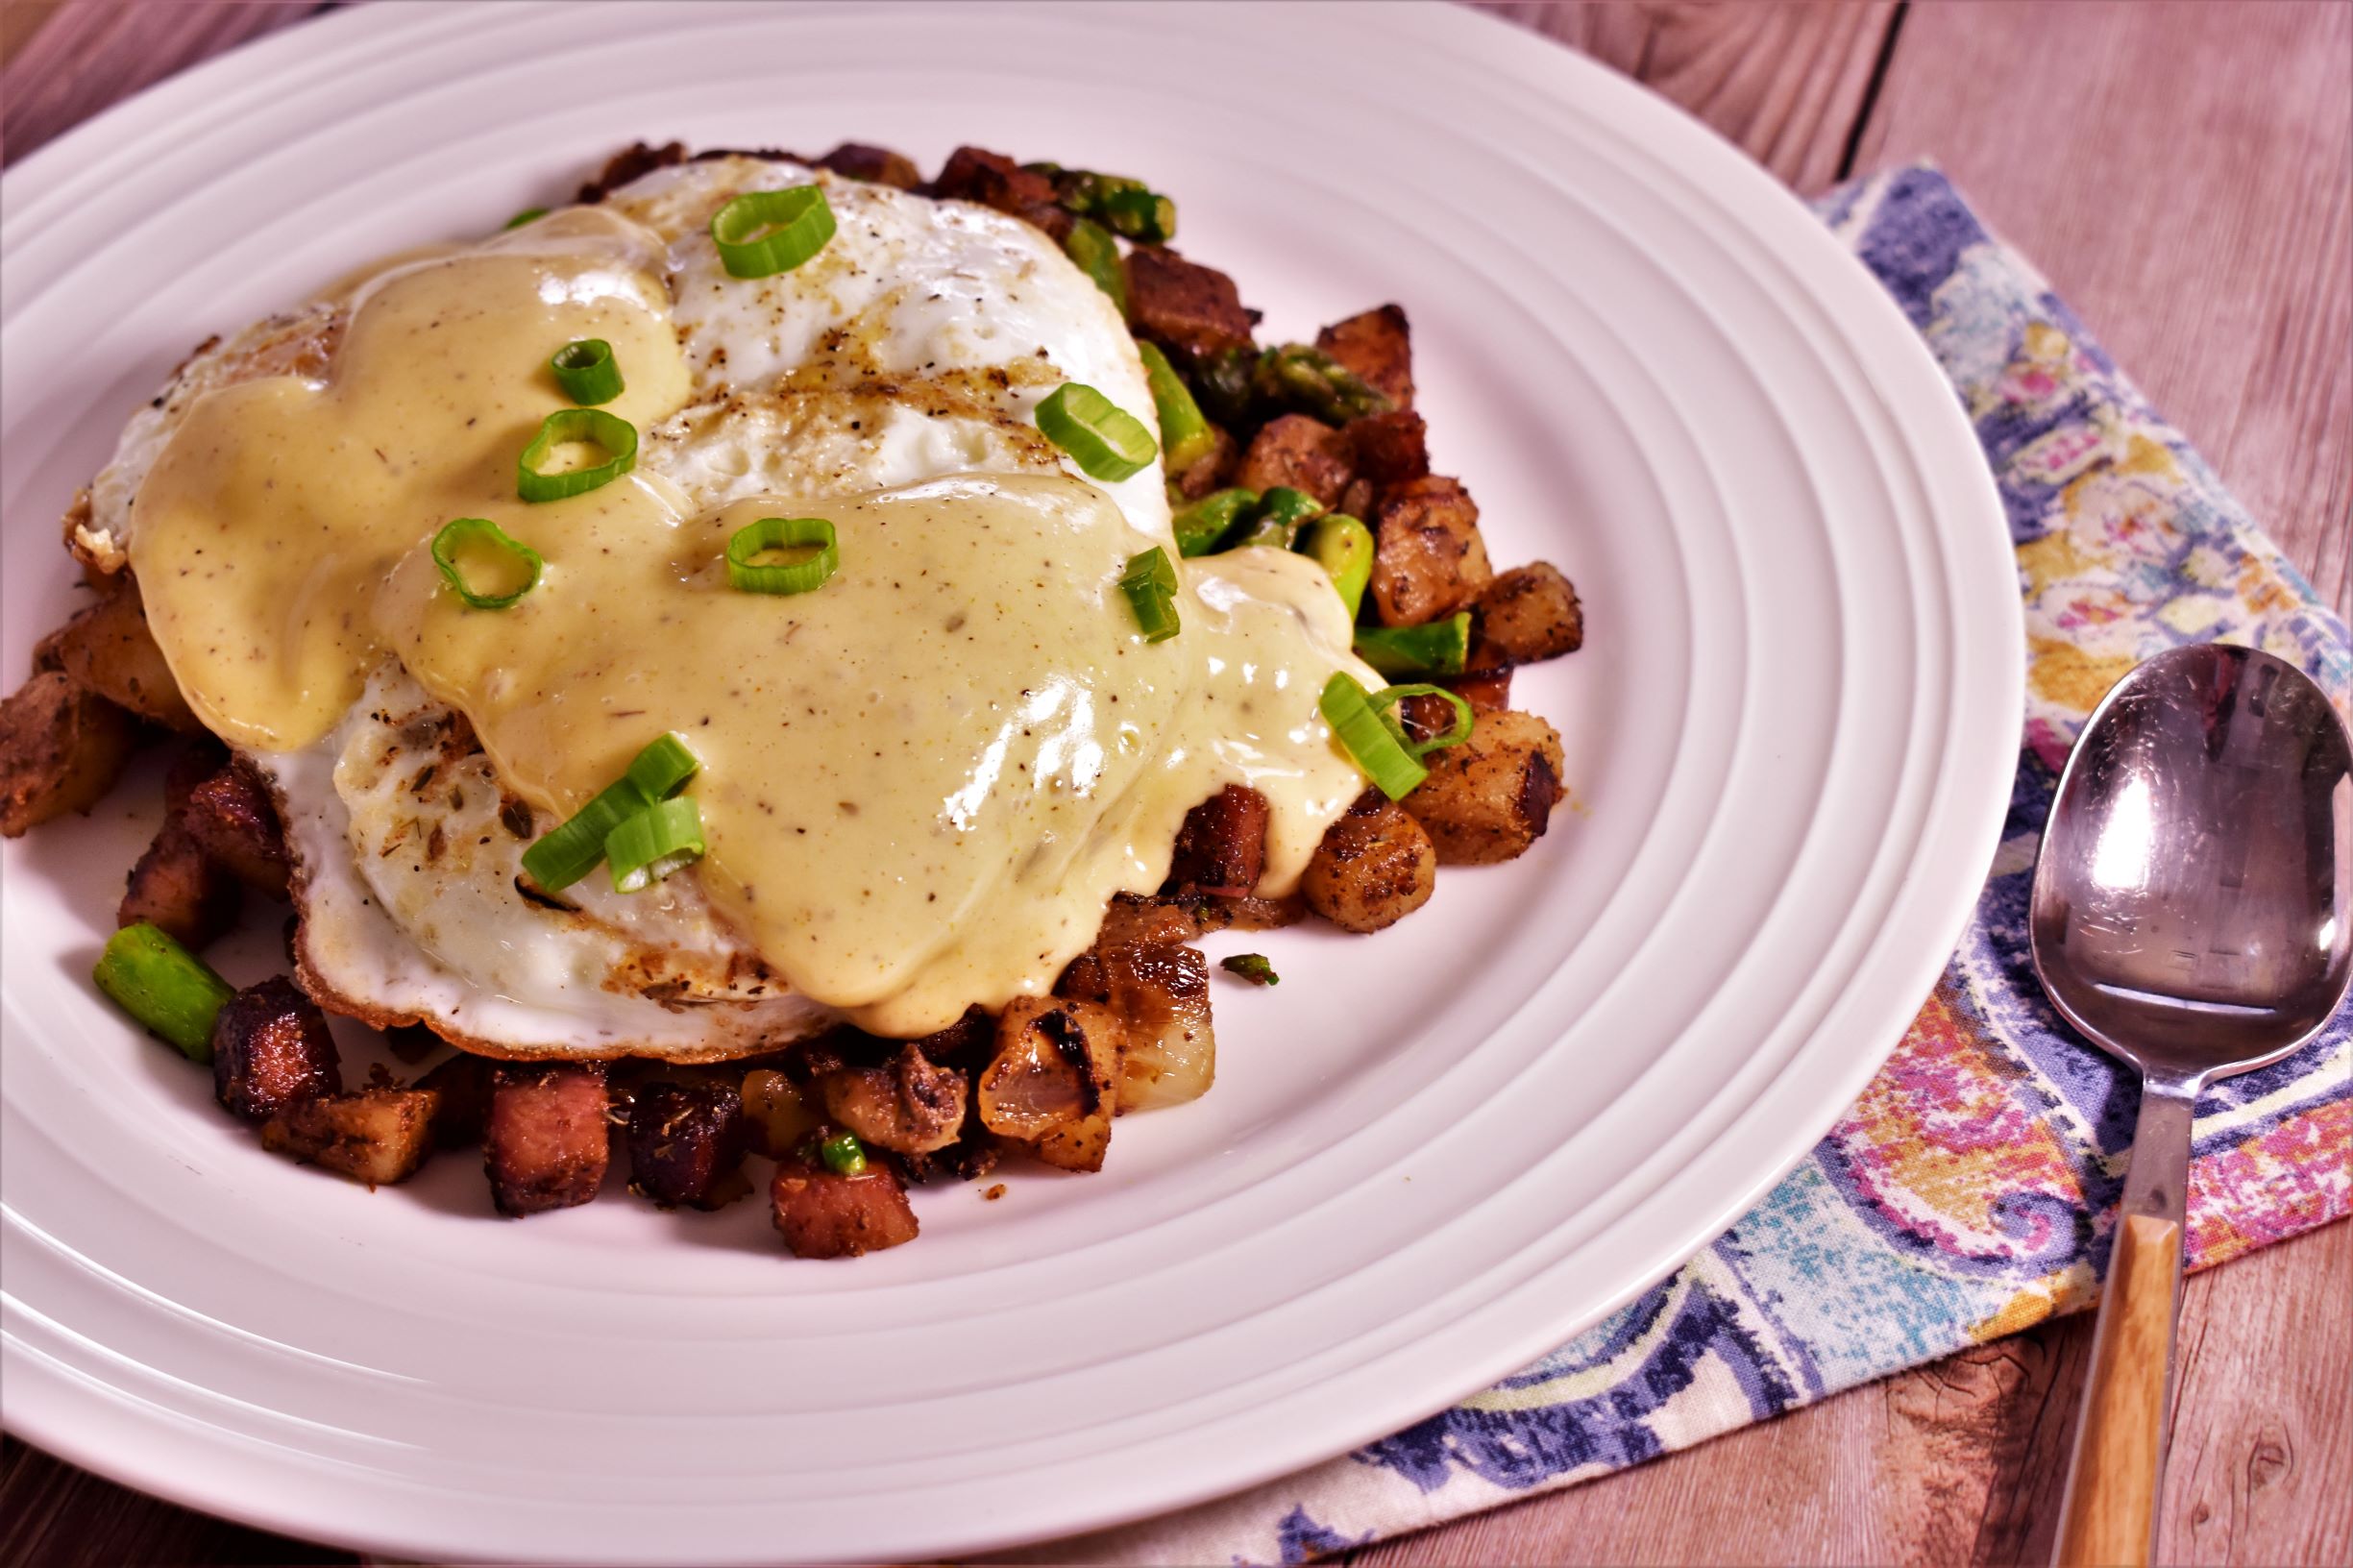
(1150,584)
(1090,244)
(1377,749)
(1184,436)
(171,991)
(1202,525)
(767,231)
(1275,522)
(1253,968)
(1106,441)
(842,1154)
(1144,216)
(783,533)
(1343,547)
(511,553)
(662,769)
(648,847)
(529,215)
(1438,648)
(585,370)
(617,436)
(1465,720)
(569,853)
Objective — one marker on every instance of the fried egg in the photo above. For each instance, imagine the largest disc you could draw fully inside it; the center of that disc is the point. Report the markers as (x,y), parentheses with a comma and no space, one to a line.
(920,784)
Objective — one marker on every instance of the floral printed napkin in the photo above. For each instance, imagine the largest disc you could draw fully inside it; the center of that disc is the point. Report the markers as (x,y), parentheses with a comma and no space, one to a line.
(1968,1193)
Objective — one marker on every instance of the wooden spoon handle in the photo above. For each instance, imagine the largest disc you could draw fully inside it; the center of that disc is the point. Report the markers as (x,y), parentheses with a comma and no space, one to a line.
(2111,1508)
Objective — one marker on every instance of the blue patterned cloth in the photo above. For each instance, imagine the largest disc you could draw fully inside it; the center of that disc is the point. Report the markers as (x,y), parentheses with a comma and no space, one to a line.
(1969,1194)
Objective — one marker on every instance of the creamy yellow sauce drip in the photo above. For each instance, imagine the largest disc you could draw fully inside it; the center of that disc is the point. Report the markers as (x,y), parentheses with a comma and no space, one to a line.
(920,783)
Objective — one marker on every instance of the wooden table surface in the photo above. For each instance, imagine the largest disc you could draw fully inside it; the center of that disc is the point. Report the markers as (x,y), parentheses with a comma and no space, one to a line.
(2182,171)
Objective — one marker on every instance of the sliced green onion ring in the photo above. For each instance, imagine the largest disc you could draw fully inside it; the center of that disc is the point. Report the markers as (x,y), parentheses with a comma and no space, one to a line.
(1439,648)
(1465,720)
(617,436)
(1371,741)
(762,232)
(1106,441)
(1253,968)
(648,847)
(172,993)
(585,370)
(482,533)
(558,858)
(1200,525)
(1150,584)
(783,533)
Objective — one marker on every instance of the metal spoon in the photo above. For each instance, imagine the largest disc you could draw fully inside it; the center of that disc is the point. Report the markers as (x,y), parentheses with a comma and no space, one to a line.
(2192,915)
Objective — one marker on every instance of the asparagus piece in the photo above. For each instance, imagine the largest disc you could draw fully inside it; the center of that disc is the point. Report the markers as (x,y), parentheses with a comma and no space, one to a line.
(1200,525)
(170,990)
(1438,648)
(1310,381)
(1275,522)
(1184,436)
(1090,244)
(1343,545)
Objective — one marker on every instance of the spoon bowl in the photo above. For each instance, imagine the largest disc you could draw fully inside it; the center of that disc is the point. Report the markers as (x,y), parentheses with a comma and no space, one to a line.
(2193,916)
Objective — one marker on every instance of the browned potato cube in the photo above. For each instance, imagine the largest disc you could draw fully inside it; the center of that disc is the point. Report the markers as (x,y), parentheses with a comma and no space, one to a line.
(377,1135)
(462,1107)
(1221,848)
(1489,798)
(1301,451)
(231,816)
(1375,867)
(1378,345)
(1184,307)
(822,1213)
(271,1049)
(60,747)
(1429,559)
(546,1145)
(876,165)
(1051,1084)
(106,649)
(908,1104)
(180,888)
(1488,691)
(1161,996)
(684,1139)
(1529,613)
(973,174)
(1390,449)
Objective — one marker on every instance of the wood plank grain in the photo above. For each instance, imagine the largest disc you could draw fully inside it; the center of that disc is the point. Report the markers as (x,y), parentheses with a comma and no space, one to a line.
(2183,174)
(83,55)
(1784,81)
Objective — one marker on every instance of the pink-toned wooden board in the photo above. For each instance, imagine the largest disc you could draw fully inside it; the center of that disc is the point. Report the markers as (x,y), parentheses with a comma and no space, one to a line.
(2183,171)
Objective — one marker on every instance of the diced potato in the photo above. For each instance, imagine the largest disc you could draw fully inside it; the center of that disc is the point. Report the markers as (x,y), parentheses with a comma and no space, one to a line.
(1429,557)
(1378,345)
(1221,848)
(106,649)
(1489,798)
(1301,451)
(461,1109)
(61,747)
(377,1135)
(179,888)
(1529,613)
(232,817)
(1375,867)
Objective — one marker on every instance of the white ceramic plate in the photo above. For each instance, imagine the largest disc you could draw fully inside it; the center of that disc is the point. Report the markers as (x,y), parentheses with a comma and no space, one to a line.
(1429,1156)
